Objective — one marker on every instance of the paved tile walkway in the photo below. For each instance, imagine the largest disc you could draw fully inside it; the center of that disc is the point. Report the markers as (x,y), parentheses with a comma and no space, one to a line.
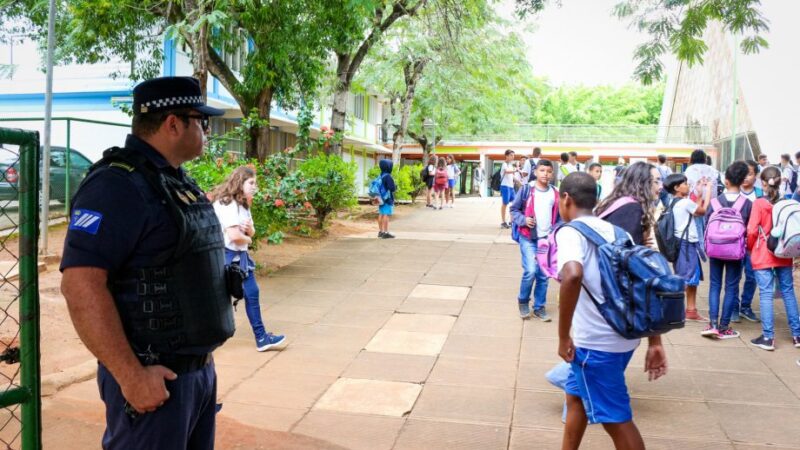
(415,343)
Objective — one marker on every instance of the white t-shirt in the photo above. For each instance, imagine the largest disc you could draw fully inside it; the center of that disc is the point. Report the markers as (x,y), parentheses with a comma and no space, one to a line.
(543,202)
(589,329)
(697,171)
(683,214)
(569,168)
(451,171)
(787,173)
(749,195)
(530,165)
(431,170)
(231,215)
(508,178)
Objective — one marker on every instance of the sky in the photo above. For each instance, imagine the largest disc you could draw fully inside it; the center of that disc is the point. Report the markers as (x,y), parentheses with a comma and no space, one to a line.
(580,42)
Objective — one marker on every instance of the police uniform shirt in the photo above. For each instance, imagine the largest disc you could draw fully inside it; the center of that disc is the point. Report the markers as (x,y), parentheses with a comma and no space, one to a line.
(118,220)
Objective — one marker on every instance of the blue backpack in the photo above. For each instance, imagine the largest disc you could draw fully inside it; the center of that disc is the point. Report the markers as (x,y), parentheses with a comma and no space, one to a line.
(642,296)
(377,191)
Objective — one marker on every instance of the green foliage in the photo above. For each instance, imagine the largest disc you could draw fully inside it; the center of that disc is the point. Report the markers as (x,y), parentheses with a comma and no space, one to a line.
(406,178)
(625,105)
(281,203)
(330,184)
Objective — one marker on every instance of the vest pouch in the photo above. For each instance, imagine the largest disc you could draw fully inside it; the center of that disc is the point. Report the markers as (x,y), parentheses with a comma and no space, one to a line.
(234,280)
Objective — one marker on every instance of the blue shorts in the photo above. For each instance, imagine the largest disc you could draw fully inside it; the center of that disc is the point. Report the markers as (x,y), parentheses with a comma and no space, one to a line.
(598,378)
(451,183)
(386,210)
(507,192)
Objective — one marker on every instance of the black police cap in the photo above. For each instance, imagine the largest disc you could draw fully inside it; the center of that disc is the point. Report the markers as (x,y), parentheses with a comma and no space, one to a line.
(165,93)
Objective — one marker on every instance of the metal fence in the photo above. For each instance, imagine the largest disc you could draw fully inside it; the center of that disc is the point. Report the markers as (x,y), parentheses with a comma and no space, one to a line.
(638,134)
(20,400)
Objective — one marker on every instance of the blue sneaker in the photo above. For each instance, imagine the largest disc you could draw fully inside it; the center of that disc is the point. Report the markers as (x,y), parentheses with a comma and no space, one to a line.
(269,341)
(748,314)
(542,315)
(524,310)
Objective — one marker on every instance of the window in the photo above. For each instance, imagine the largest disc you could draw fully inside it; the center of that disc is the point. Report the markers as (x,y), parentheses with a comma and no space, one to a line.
(235,54)
(358,107)
(78,161)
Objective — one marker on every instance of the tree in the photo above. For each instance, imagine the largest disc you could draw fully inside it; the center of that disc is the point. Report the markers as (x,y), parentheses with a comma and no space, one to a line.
(625,105)
(677,26)
(285,44)
(351,43)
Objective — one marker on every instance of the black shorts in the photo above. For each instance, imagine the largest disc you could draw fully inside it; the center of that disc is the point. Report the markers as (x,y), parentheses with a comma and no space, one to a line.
(429,182)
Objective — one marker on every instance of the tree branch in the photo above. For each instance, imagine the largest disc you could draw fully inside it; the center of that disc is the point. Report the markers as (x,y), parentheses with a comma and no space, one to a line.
(225,75)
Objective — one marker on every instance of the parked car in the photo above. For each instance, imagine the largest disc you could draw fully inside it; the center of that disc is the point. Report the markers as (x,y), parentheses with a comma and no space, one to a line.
(79,165)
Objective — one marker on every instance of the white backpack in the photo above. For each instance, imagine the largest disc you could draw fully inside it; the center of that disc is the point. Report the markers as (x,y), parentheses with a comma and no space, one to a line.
(784,240)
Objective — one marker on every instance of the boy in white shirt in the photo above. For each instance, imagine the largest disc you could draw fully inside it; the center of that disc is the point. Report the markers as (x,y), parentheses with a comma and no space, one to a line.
(596,390)
(508,170)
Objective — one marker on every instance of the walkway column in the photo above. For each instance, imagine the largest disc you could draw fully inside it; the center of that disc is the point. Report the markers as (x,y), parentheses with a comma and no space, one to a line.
(488,171)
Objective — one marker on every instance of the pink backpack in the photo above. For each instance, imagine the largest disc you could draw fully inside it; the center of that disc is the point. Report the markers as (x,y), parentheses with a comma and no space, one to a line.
(547,254)
(547,250)
(725,231)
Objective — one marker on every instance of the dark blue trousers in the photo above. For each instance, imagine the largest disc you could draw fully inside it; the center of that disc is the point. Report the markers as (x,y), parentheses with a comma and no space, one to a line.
(186,421)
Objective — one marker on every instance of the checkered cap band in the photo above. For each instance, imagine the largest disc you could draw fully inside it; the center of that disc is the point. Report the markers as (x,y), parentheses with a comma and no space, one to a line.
(169,102)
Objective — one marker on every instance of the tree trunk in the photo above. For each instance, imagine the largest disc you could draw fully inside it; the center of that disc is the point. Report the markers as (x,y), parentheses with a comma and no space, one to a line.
(258,147)
(412,71)
(339,109)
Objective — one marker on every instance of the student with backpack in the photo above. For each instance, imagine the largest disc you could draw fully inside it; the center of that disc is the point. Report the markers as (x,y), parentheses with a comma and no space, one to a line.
(386,208)
(789,176)
(743,307)
(596,171)
(688,258)
(769,267)
(598,353)
(530,165)
(440,182)
(507,172)
(630,204)
(664,170)
(534,212)
(428,175)
(725,230)
(453,172)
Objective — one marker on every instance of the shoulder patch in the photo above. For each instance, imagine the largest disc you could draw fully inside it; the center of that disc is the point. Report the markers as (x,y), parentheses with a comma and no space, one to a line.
(123,166)
(86,221)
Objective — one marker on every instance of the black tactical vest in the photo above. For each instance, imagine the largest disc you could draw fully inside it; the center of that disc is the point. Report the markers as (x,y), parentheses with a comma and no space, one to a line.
(181,300)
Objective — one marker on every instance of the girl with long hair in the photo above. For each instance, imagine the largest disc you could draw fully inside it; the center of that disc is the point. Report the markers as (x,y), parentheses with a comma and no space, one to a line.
(768,267)
(630,205)
(232,200)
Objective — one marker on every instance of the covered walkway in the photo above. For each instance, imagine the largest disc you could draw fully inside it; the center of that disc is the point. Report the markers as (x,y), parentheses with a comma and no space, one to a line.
(416,343)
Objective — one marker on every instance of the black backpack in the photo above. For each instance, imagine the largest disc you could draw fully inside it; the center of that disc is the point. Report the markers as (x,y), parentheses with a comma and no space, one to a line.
(668,244)
(424,175)
(497,178)
(793,181)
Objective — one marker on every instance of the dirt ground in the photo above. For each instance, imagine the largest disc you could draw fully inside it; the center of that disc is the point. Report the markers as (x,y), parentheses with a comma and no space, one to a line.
(61,348)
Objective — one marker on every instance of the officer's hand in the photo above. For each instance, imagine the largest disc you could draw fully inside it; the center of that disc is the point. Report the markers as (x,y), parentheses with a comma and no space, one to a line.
(148,392)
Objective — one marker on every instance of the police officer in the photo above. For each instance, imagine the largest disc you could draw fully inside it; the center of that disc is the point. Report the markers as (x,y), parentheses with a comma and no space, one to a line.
(143,275)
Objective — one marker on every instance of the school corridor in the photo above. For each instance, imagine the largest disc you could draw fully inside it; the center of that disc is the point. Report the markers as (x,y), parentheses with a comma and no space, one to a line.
(416,343)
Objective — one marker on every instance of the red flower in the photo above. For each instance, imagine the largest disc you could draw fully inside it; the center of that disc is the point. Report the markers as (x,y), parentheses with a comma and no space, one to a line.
(279,203)
(307,205)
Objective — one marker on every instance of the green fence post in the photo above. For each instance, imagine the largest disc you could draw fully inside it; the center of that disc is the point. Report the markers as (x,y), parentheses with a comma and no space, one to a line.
(67,195)
(29,290)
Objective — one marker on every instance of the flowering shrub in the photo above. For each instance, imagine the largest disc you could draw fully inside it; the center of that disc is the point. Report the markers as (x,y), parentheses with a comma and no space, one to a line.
(331,184)
(281,202)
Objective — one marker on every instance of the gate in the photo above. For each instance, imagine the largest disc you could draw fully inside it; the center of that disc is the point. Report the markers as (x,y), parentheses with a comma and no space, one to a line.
(20,399)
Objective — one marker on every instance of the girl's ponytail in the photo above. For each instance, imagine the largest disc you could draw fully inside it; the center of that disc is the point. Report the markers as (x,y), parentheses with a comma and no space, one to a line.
(771,182)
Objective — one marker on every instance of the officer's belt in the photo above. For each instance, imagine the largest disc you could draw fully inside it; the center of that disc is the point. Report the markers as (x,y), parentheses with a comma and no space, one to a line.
(180,364)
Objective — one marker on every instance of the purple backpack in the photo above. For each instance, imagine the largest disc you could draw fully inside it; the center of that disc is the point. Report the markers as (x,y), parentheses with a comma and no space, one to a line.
(547,250)
(725,231)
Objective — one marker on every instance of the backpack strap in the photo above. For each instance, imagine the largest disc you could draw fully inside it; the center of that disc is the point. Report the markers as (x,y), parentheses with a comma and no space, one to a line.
(587,232)
(618,203)
(716,204)
(740,202)
(554,213)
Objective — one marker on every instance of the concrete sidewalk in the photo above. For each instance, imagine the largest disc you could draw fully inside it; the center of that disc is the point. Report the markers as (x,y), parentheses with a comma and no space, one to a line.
(416,343)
